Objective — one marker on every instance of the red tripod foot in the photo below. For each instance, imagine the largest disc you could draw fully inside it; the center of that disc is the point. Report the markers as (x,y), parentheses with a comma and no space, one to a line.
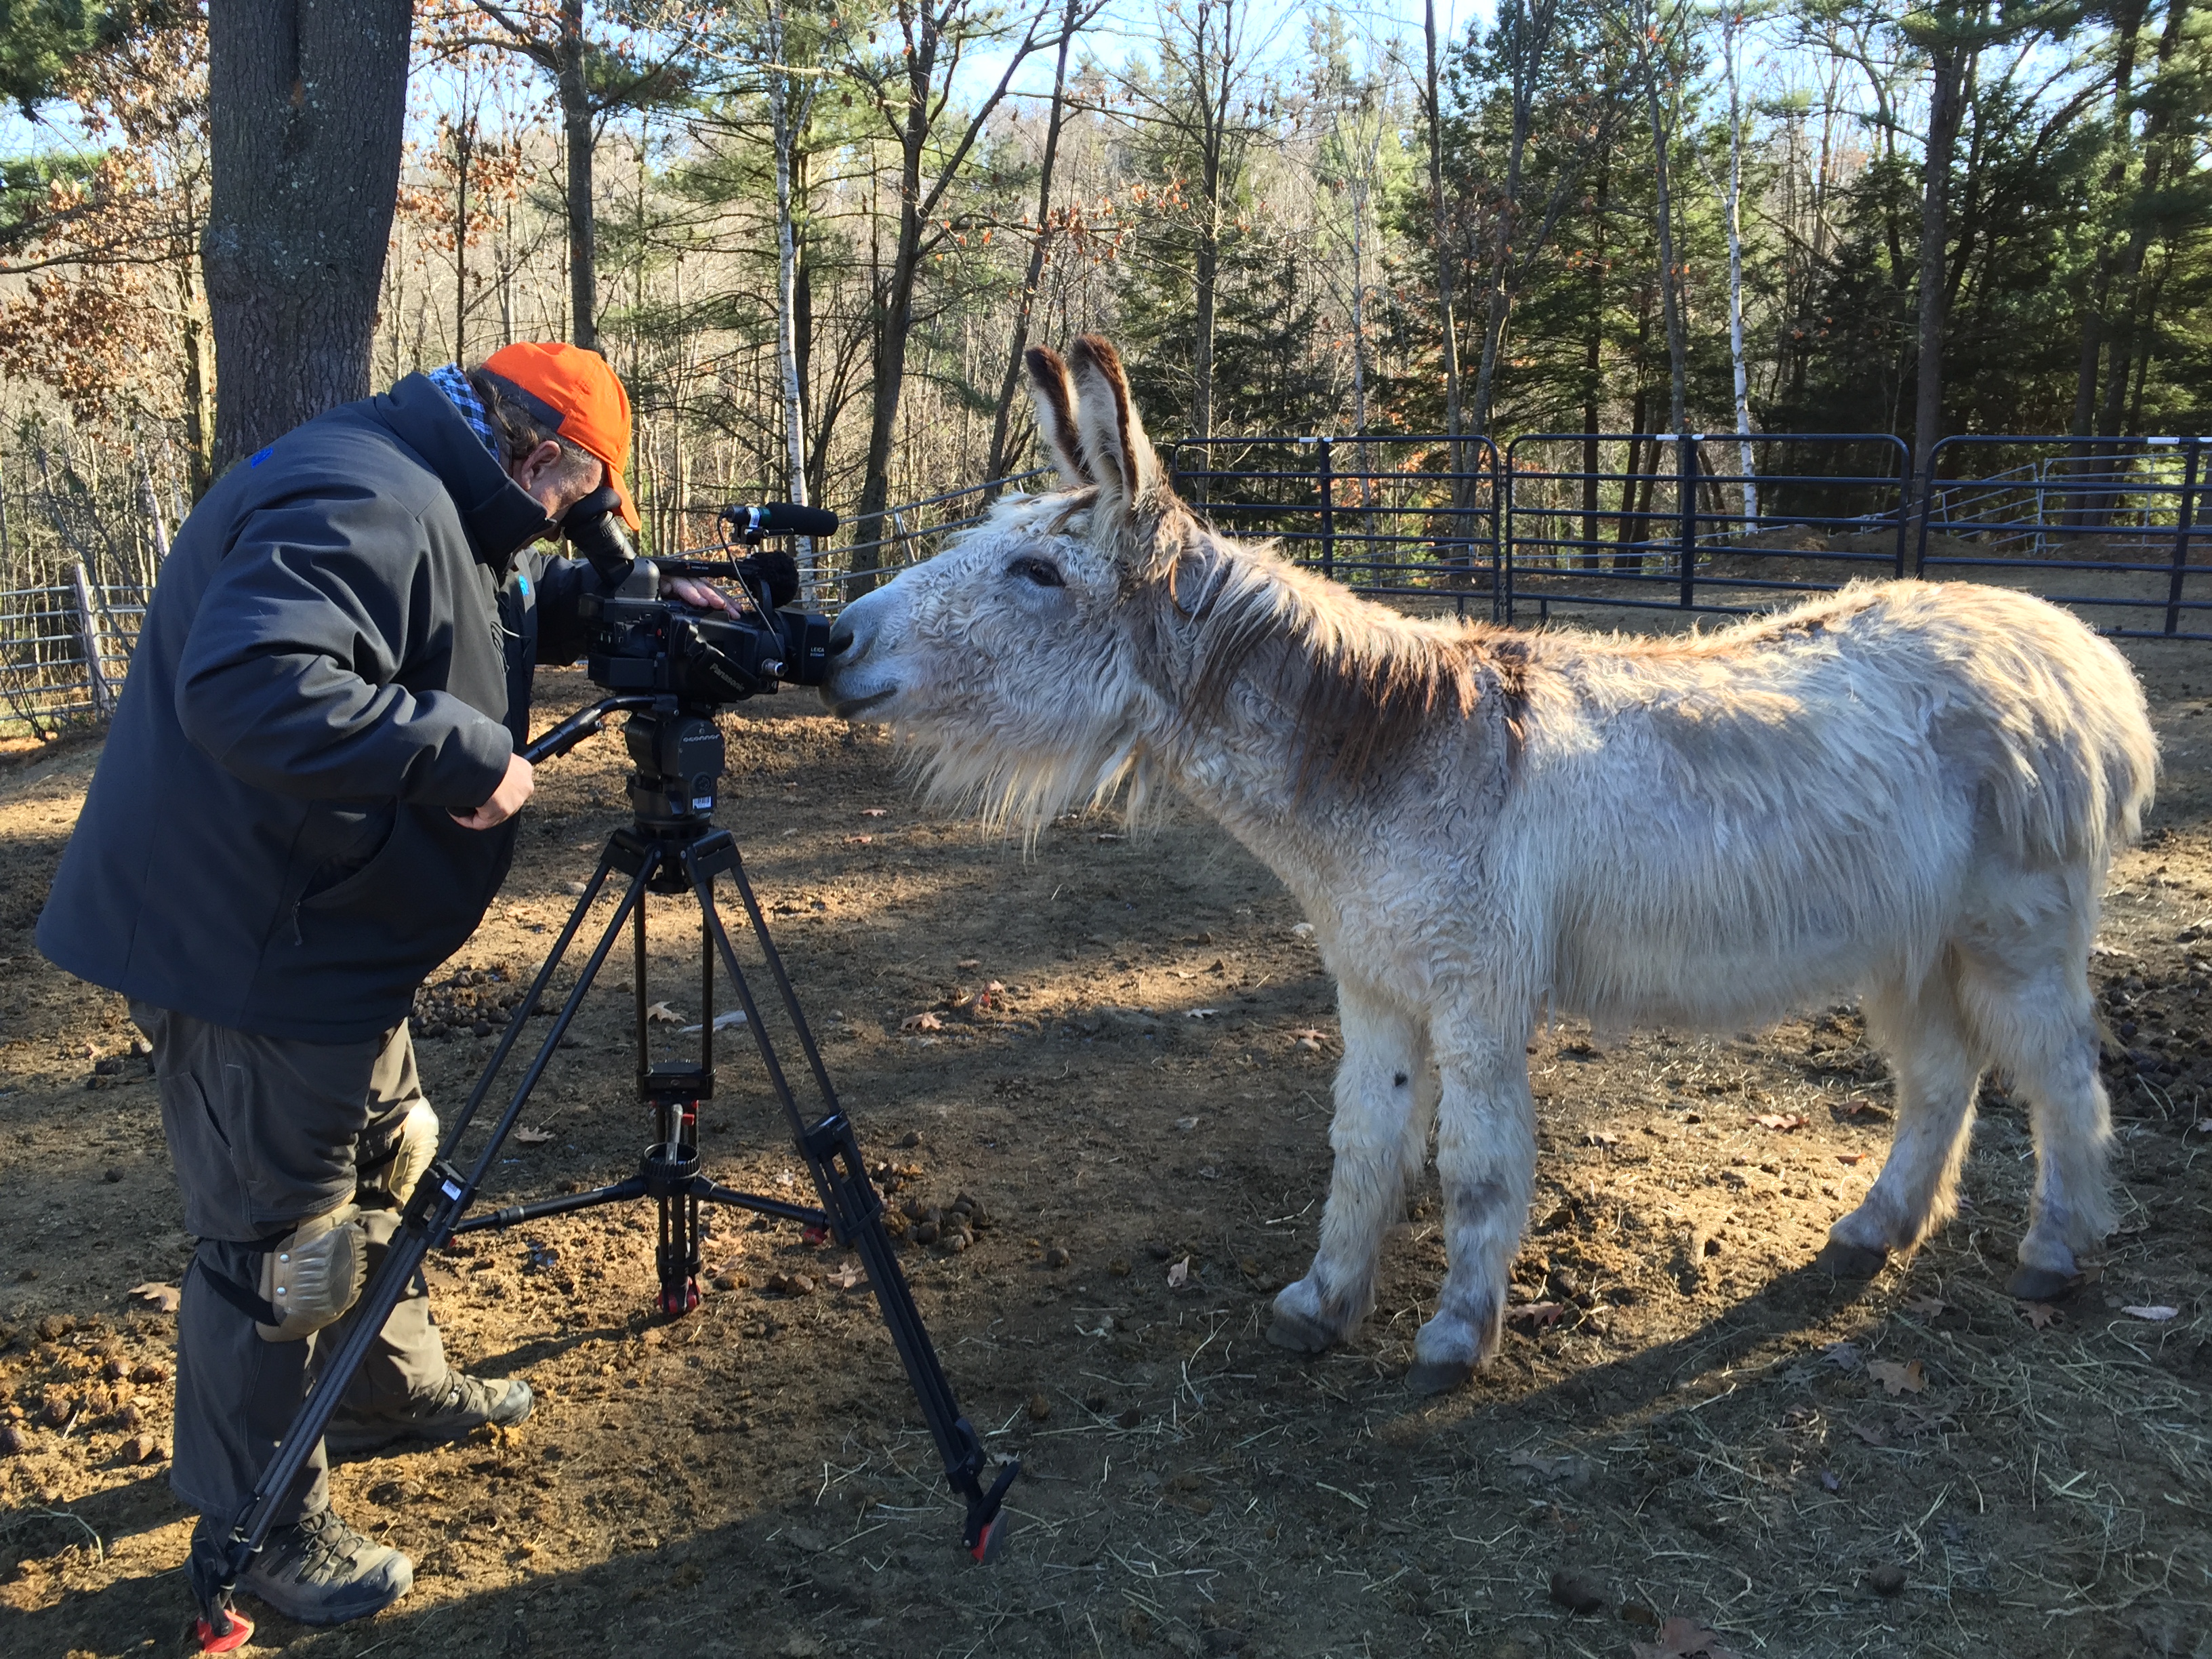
(240,1632)
(677,1301)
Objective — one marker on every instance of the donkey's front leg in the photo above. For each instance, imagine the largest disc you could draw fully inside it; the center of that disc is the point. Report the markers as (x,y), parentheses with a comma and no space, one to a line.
(1385,1099)
(1487,1157)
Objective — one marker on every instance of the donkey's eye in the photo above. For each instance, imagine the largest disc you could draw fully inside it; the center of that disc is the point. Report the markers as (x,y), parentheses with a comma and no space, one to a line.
(1042,572)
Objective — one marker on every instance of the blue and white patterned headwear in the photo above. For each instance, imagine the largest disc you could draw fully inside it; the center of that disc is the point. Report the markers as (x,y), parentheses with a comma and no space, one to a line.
(455,384)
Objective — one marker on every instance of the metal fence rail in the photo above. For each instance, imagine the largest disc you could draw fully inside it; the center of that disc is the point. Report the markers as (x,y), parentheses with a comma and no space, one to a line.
(1560,523)
(2107,524)
(1413,517)
(1683,533)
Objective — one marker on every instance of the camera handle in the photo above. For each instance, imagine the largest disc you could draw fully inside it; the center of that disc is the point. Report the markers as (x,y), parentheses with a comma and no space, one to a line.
(851,1209)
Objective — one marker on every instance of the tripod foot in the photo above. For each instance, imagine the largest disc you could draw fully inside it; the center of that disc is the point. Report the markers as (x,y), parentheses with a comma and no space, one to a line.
(992,1545)
(238,1632)
(677,1300)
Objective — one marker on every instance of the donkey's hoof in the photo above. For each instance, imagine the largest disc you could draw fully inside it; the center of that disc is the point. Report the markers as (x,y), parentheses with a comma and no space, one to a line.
(1438,1375)
(1841,1261)
(1299,1333)
(2039,1284)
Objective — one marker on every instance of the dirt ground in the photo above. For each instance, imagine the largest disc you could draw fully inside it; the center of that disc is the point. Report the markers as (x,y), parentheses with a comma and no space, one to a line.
(1127,1058)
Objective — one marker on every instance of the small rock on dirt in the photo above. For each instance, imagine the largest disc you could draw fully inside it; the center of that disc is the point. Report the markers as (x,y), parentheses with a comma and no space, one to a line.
(1130,1419)
(1577,1592)
(1040,1408)
(140,1448)
(113,1174)
(54,1327)
(1887,1579)
(1057,1257)
(12,1440)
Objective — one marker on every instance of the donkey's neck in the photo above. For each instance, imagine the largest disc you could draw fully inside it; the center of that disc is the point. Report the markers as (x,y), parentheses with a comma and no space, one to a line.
(1296,706)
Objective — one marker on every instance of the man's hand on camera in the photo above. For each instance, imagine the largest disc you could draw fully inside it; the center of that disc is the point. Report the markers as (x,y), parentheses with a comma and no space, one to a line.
(696,593)
(505,800)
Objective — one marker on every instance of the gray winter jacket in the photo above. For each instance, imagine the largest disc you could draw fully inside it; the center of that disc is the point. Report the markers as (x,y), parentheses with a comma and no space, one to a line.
(336,659)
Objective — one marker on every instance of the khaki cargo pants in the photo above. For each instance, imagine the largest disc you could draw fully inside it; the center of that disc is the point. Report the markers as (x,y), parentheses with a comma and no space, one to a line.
(265,1133)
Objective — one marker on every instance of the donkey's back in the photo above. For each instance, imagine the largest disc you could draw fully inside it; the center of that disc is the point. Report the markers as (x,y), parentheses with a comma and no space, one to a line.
(1725,825)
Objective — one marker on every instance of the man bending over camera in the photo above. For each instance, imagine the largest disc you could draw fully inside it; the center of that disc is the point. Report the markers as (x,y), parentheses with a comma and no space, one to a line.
(305,804)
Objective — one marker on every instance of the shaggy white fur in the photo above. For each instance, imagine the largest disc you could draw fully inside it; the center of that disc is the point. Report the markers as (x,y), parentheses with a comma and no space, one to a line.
(1909,792)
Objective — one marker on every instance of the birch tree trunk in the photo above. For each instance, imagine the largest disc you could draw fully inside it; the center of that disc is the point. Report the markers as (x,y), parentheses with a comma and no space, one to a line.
(1001,460)
(782,132)
(1440,218)
(1728,45)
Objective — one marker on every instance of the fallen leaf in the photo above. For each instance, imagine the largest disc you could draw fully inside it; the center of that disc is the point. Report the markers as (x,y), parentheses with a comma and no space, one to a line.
(1895,1379)
(966,963)
(1310,1033)
(1599,1138)
(1301,930)
(922,1022)
(872,811)
(1927,1306)
(1865,1108)
(2157,1314)
(1784,1121)
(1546,1467)
(1830,1481)
(1873,1433)
(1179,1275)
(728,1020)
(1200,1013)
(860,840)
(532,1137)
(1850,1157)
(1542,1315)
(1845,1355)
(661,1014)
(2039,1313)
(2204,1125)
(847,1277)
(162,1299)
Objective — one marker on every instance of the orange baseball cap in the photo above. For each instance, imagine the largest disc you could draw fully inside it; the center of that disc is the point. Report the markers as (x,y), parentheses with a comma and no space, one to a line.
(580,398)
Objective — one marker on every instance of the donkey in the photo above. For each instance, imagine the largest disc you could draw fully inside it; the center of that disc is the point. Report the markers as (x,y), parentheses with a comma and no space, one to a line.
(1907,790)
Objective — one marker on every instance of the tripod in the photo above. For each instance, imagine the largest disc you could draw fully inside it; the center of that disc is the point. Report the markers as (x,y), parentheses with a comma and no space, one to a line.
(670,847)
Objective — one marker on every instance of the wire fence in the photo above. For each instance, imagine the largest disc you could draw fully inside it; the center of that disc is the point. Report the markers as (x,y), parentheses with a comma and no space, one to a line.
(1557,525)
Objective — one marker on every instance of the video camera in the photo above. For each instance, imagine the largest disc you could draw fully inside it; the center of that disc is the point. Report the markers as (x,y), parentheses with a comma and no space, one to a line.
(643,642)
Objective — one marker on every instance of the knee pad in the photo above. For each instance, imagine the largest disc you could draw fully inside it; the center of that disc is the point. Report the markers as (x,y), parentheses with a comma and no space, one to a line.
(393,1171)
(312,1274)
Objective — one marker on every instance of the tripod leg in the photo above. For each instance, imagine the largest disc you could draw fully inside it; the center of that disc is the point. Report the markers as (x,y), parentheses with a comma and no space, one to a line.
(431,1212)
(856,1215)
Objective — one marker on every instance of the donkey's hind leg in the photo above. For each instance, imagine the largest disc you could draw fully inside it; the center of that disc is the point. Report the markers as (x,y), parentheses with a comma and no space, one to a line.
(1385,1101)
(2026,987)
(1937,1065)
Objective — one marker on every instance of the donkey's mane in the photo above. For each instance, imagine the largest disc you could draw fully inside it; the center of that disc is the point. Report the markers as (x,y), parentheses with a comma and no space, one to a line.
(1364,680)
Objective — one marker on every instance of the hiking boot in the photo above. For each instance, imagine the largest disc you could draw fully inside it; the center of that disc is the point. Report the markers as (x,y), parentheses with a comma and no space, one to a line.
(321,1571)
(464,1404)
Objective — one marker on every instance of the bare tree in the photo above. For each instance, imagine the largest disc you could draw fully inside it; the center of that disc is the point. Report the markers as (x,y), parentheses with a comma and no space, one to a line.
(1001,449)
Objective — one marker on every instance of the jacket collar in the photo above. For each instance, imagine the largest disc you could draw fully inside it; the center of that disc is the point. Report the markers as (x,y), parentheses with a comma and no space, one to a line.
(499,517)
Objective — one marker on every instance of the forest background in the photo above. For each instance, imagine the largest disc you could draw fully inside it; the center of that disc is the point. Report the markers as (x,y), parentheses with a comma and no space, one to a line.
(814,238)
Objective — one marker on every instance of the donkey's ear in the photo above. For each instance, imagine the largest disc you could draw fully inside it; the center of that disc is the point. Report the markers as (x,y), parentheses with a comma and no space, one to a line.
(1128,472)
(1052,391)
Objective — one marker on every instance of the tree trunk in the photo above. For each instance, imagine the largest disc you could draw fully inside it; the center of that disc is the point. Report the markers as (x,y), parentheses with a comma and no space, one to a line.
(1207,276)
(306,102)
(1670,301)
(1735,275)
(1948,78)
(577,139)
(1000,461)
(1594,369)
(1440,217)
(786,270)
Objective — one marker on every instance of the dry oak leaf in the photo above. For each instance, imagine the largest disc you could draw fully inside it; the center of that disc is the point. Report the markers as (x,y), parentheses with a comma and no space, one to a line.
(1850,1157)
(532,1137)
(1784,1121)
(1179,1275)
(1682,1638)
(921,1022)
(872,811)
(660,1013)
(1873,1433)
(1542,1315)
(2039,1313)
(1895,1379)
(162,1299)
